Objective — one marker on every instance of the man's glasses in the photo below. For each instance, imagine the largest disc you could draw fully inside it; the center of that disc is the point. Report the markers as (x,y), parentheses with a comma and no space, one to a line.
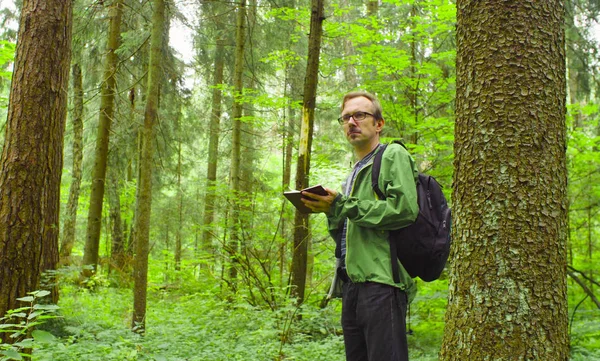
(358,116)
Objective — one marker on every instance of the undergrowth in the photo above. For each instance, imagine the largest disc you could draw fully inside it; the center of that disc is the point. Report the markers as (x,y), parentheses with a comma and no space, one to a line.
(200,326)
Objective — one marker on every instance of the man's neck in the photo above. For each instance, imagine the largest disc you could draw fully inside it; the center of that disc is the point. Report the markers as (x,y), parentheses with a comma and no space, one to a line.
(368,148)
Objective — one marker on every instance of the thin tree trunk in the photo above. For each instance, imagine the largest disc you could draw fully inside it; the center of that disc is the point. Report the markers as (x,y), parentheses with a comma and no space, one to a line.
(144,201)
(234,239)
(132,171)
(508,292)
(301,232)
(179,200)
(68,239)
(117,254)
(107,97)
(413,95)
(213,148)
(372,7)
(32,158)
(286,181)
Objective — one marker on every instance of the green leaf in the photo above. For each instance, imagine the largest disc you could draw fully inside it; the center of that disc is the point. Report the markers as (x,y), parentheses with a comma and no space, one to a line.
(34,314)
(40,294)
(12,354)
(48,307)
(26,299)
(26,343)
(42,336)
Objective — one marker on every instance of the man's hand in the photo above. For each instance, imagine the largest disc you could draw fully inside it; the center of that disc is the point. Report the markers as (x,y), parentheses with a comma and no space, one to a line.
(318,203)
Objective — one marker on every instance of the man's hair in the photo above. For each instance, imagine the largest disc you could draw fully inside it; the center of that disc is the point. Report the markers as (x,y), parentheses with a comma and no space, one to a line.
(377,113)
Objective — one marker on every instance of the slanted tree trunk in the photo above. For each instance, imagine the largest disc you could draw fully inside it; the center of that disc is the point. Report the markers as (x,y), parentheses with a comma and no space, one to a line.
(234,237)
(301,232)
(70,221)
(32,158)
(107,97)
(507,294)
(144,200)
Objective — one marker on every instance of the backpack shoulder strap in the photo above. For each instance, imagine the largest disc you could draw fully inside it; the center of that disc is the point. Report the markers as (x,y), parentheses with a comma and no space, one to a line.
(375,172)
(377,169)
(375,184)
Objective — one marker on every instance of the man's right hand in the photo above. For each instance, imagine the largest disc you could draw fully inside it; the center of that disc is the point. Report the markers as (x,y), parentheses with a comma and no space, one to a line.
(318,203)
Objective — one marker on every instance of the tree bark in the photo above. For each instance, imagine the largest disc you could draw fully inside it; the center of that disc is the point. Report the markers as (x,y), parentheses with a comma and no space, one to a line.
(301,234)
(507,294)
(32,158)
(107,97)
(68,235)
(213,148)
(144,201)
(234,237)
(117,251)
(179,198)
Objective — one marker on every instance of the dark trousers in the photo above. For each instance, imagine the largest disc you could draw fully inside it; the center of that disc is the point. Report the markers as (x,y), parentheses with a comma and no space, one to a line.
(374,322)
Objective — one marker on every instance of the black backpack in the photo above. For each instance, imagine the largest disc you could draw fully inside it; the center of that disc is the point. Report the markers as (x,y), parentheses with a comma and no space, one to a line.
(422,247)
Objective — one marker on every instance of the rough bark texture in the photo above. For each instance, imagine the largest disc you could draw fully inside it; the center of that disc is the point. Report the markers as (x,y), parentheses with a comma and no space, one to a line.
(236,138)
(32,158)
(68,231)
(507,295)
(107,96)
(301,234)
(144,195)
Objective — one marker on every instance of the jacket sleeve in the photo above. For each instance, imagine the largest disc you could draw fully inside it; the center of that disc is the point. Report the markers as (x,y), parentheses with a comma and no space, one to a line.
(397,181)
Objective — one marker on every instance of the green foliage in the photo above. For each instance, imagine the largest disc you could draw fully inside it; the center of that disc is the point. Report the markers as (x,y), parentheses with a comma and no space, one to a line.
(189,327)
(7,55)
(20,323)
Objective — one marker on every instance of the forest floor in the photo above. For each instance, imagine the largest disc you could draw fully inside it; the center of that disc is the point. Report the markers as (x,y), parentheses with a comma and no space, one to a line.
(95,325)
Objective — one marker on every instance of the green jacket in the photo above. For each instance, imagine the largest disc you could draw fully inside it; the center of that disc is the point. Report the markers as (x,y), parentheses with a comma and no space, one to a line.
(371,219)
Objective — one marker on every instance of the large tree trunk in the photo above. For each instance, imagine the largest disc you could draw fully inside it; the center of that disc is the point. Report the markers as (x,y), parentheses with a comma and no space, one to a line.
(234,237)
(107,97)
(507,296)
(144,195)
(68,232)
(301,234)
(32,158)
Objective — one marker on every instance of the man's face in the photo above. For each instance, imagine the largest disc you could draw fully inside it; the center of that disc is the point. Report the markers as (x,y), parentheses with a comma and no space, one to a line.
(361,133)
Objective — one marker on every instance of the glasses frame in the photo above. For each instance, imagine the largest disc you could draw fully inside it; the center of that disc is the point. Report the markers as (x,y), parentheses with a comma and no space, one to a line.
(344,119)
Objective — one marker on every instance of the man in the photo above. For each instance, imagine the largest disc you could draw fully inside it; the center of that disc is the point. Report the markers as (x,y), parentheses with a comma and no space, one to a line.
(373,305)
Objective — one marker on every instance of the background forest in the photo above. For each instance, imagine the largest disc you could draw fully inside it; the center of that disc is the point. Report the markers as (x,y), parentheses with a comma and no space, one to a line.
(221,251)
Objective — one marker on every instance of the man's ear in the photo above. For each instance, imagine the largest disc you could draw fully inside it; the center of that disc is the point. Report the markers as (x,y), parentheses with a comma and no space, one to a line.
(379,125)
